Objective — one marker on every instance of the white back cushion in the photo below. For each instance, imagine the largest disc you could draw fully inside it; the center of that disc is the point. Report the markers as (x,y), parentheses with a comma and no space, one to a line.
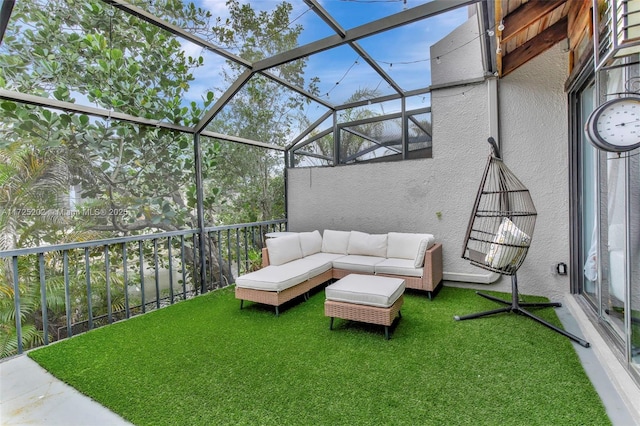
(405,245)
(310,243)
(502,253)
(284,249)
(367,244)
(425,243)
(335,241)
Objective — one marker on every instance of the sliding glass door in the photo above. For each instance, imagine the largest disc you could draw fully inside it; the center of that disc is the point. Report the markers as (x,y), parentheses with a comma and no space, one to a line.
(606,219)
(588,200)
(634,259)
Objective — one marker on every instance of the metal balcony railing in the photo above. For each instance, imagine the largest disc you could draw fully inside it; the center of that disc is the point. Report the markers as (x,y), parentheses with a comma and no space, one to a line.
(62,290)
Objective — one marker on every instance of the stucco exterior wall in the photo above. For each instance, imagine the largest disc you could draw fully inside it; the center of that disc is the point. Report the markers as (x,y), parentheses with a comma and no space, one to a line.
(436,195)
(457,57)
(406,196)
(534,139)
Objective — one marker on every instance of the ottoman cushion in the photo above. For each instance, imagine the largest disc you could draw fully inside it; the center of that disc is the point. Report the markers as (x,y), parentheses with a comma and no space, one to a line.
(366,290)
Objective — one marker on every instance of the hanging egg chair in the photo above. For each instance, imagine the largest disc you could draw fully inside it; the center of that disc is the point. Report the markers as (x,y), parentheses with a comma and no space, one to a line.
(501,225)
(499,236)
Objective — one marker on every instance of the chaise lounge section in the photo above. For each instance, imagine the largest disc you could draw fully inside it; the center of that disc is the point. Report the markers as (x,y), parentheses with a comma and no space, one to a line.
(295,264)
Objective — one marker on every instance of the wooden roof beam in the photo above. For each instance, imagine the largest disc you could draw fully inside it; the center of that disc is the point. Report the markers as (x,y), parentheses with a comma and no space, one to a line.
(525,15)
(540,43)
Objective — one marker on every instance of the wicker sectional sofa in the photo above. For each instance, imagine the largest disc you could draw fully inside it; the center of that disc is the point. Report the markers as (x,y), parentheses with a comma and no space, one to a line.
(295,264)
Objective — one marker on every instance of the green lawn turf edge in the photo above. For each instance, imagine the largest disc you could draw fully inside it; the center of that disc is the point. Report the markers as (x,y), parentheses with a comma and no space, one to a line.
(205,361)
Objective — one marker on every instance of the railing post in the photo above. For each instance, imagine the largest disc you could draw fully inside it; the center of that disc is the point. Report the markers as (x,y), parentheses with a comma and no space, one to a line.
(107,278)
(196,254)
(67,291)
(16,301)
(219,235)
(142,295)
(170,254)
(238,250)
(246,248)
(184,269)
(87,277)
(156,271)
(229,256)
(43,299)
(125,278)
(197,161)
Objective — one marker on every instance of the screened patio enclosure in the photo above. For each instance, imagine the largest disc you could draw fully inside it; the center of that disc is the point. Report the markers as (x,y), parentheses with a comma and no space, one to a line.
(146,141)
(124,95)
(338,84)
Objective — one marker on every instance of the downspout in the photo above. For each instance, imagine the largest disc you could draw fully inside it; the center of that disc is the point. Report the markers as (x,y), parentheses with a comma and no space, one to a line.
(336,140)
(494,109)
(484,11)
(494,130)
(288,162)
(405,128)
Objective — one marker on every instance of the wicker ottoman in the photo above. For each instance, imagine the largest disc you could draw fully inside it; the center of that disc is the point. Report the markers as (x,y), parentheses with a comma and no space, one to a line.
(365,298)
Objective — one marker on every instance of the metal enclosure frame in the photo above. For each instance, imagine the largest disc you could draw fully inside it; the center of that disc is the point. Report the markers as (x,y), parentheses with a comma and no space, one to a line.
(342,37)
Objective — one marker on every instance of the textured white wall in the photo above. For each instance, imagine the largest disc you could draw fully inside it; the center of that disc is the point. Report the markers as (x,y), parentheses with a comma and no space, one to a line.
(376,198)
(534,132)
(457,56)
(406,195)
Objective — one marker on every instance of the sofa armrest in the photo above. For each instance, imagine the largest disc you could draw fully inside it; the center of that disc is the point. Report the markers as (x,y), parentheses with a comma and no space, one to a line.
(432,274)
(265,257)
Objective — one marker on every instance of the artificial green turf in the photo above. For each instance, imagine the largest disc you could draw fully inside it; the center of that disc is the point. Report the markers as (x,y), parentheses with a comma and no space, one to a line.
(205,361)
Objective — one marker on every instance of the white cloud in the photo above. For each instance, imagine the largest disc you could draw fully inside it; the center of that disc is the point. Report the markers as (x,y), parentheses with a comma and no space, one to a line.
(216,7)
(407,47)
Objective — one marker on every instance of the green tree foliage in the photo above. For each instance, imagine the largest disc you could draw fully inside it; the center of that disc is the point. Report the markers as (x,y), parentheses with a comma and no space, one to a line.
(92,51)
(262,110)
(130,178)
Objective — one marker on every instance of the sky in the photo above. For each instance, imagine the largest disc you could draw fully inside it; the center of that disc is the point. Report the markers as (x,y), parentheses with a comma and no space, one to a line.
(403,53)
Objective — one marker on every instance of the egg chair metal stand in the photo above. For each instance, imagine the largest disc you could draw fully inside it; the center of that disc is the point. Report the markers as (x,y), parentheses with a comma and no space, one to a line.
(499,235)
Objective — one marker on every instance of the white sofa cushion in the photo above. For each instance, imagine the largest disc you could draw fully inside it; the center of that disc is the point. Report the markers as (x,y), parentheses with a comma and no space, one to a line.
(406,245)
(357,263)
(284,249)
(398,267)
(315,265)
(325,257)
(367,244)
(310,243)
(275,278)
(335,241)
(502,251)
(366,290)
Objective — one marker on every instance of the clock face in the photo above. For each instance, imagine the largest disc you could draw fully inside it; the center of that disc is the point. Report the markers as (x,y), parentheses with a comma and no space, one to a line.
(615,125)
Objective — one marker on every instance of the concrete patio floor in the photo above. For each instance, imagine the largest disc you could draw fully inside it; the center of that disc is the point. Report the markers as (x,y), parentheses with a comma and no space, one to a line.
(29,395)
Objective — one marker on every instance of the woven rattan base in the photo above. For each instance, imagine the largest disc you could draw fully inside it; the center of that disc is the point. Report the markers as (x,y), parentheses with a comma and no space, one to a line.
(277,298)
(364,313)
(430,281)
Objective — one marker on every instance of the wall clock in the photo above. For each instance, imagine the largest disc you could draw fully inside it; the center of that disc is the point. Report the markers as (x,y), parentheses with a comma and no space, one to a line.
(615,125)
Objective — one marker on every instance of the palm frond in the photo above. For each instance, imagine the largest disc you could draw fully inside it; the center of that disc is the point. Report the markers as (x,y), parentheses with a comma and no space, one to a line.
(31,337)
